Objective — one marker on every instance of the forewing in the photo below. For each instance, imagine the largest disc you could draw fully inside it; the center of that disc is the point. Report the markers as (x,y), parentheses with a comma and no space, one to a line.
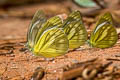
(106,36)
(76,33)
(53,42)
(75,30)
(38,19)
(107,17)
(39,15)
(75,15)
(52,22)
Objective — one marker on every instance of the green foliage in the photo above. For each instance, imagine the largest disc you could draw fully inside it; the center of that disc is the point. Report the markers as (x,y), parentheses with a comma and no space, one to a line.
(85,3)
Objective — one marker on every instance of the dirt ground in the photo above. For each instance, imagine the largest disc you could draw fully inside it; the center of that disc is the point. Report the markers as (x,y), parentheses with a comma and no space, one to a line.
(19,64)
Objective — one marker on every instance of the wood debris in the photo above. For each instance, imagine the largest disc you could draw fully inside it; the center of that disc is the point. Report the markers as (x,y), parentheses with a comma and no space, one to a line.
(38,74)
(91,70)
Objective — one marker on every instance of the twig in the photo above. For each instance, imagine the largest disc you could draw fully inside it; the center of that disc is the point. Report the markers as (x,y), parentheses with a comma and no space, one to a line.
(9,52)
(38,74)
(88,70)
(76,70)
(112,59)
(68,75)
(117,55)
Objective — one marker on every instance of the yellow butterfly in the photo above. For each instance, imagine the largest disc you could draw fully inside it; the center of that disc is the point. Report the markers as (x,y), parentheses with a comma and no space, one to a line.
(104,34)
(75,30)
(44,38)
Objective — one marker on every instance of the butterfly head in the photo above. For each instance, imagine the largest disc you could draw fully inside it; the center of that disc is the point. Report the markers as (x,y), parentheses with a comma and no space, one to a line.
(28,46)
(89,43)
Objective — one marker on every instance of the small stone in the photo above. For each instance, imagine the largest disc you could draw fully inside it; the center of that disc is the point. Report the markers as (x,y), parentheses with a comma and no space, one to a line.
(38,74)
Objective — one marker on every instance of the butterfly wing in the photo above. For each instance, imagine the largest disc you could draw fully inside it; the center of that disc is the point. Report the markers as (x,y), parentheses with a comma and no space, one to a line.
(106,17)
(39,15)
(75,30)
(75,15)
(53,42)
(52,22)
(105,34)
(38,19)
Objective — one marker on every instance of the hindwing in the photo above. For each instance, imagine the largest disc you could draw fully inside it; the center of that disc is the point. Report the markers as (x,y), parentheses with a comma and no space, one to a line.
(53,42)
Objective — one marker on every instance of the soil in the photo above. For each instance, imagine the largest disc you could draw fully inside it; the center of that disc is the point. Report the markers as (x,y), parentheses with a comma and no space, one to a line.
(18,64)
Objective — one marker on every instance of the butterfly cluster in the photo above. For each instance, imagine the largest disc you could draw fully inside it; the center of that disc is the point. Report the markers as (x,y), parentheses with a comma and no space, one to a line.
(53,37)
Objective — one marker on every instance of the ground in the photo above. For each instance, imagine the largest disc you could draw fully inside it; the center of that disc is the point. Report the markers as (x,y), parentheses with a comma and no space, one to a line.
(19,64)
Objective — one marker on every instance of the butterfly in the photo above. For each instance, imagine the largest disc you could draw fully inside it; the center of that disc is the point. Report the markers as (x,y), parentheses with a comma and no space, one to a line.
(45,38)
(104,35)
(75,30)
